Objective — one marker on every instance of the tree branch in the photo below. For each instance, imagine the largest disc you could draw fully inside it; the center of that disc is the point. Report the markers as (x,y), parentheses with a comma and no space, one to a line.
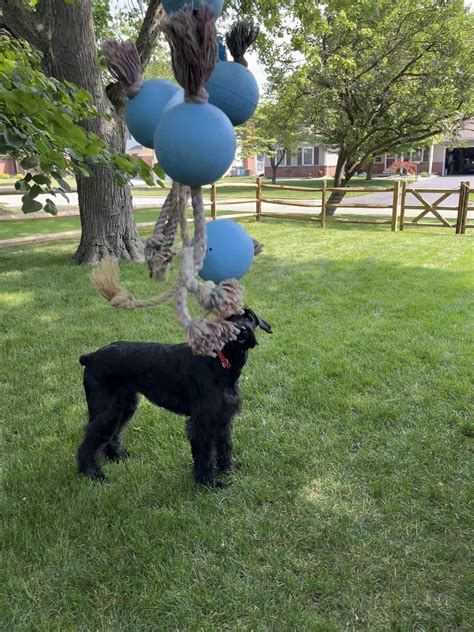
(24,23)
(149,31)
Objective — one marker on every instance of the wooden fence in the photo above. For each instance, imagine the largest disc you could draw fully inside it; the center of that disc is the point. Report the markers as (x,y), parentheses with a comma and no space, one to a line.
(397,206)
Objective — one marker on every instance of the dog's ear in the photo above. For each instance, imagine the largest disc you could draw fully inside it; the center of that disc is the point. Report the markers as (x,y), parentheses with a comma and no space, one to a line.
(258,321)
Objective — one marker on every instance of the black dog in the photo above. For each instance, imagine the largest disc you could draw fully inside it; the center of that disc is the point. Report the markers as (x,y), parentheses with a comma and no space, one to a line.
(204,389)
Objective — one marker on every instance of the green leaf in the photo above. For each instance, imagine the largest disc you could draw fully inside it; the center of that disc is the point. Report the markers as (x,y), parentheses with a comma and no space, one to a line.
(29,205)
(14,140)
(35,190)
(29,162)
(22,185)
(40,178)
(50,207)
(62,183)
(160,173)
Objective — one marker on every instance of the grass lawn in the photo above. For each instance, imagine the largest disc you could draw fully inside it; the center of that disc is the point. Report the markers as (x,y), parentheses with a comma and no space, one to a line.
(351,511)
(13,229)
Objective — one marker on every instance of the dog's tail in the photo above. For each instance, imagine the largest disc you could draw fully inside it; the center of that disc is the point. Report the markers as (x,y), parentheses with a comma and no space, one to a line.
(85,359)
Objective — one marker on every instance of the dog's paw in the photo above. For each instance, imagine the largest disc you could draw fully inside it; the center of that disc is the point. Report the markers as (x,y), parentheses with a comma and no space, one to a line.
(216,485)
(211,483)
(116,455)
(226,468)
(95,475)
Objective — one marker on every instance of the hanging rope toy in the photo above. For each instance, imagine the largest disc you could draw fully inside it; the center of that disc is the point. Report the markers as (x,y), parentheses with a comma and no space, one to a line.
(195,144)
(146,99)
(232,87)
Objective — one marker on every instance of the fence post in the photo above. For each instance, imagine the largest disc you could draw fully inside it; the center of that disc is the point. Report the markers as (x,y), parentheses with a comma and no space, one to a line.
(258,206)
(467,189)
(396,190)
(323,204)
(213,201)
(403,202)
(459,218)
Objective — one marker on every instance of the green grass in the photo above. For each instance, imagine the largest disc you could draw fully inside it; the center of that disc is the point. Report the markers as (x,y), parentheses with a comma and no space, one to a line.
(15,229)
(351,511)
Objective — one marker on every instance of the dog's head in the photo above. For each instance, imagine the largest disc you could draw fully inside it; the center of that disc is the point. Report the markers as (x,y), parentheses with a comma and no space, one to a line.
(247,323)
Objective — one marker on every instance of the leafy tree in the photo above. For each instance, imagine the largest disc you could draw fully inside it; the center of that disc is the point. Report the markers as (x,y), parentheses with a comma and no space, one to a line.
(39,126)
(371,76)
(64,34)
(274,130)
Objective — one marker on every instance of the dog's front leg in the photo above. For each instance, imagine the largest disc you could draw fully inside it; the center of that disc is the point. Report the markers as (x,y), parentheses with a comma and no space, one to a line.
(203,450)
(223,442)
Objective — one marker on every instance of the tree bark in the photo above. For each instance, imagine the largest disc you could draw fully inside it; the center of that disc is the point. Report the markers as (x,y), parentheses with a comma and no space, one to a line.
(274,170)
(336,197)
(370,168)
(106,210)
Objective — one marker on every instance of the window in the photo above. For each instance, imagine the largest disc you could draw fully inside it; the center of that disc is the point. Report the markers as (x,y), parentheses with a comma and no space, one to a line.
(300,157)
(378,159)
(415,156)
(426,154)
(307,155)
(288,158)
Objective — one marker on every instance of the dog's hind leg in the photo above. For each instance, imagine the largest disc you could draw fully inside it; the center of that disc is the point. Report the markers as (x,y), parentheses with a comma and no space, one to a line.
(99,431)
(203,450)
(113,449)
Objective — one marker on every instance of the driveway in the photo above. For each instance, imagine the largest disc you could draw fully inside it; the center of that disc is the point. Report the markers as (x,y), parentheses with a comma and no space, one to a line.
(436,182)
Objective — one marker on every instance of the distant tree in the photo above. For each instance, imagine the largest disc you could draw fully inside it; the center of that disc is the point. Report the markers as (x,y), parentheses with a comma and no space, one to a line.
(273,130)
(372,76)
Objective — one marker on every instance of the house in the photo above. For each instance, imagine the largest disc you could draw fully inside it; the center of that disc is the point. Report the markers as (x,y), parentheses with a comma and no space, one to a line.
(252,166)
(453,156)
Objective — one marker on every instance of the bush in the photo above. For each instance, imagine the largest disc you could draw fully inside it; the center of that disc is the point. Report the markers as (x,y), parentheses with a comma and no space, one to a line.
(4,176)
(424,174)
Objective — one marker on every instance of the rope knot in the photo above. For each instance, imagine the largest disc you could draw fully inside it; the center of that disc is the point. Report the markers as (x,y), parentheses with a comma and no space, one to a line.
(206,337)
(224,299)
(201,96)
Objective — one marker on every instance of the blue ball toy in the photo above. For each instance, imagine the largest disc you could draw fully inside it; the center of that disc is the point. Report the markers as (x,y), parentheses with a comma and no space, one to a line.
(176,100)
(143,111)
(194,143)
(173,6)
(233,89)
(230,251)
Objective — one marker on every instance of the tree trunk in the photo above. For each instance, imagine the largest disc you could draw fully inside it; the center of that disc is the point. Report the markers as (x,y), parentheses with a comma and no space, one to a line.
(274,167)
(108,227)
(370,168)
(336,197)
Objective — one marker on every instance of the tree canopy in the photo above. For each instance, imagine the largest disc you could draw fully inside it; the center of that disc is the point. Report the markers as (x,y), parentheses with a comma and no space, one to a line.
(370,76)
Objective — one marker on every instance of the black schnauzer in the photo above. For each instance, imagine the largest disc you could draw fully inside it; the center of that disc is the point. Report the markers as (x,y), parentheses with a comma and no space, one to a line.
(204,389)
